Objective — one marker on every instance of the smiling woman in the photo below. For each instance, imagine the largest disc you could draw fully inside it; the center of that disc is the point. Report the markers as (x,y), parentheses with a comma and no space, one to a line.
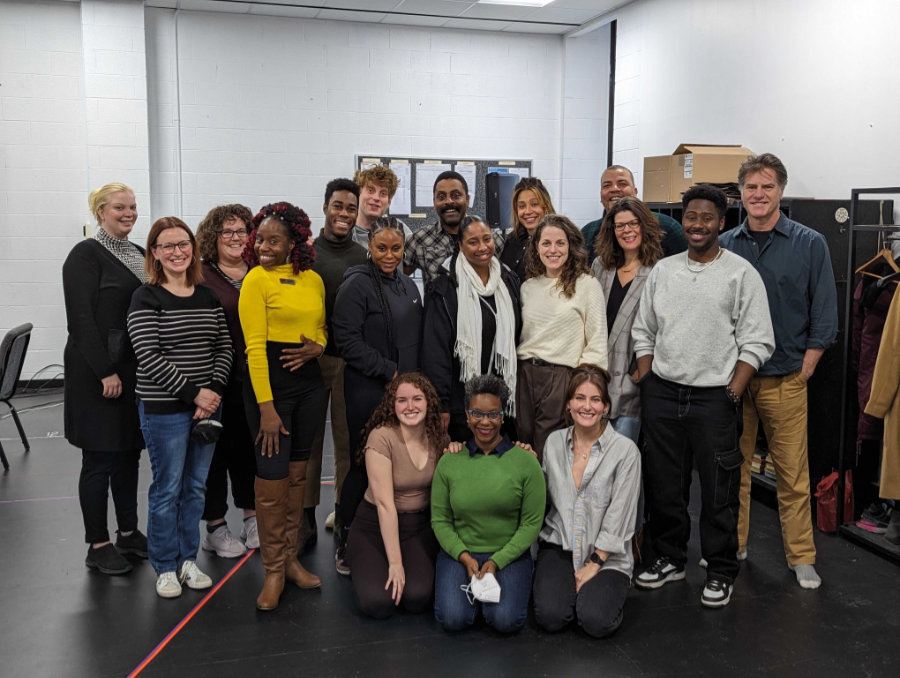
(99,277)
(184,354)
(282,300)
(487,504)
(391,544)
(563,324)
(378,328)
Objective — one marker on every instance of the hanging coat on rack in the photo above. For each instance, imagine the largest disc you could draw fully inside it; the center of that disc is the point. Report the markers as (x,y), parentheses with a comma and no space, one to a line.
(885,400)
(870,309)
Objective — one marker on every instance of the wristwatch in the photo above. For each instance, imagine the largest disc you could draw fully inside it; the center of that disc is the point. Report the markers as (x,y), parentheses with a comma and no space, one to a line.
(596,559)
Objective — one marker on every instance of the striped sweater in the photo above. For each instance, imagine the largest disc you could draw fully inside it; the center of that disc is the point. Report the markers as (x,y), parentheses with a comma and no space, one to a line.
(182,345)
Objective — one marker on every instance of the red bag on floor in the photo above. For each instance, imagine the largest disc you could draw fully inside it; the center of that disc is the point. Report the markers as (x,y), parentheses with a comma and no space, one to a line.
(827,518)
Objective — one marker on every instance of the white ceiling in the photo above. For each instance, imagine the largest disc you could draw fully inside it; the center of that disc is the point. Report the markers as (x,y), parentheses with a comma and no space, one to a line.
(560,16)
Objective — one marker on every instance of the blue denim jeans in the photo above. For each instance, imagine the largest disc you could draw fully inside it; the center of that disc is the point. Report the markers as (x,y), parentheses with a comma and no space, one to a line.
(178,489)
(630,427)
(452,608)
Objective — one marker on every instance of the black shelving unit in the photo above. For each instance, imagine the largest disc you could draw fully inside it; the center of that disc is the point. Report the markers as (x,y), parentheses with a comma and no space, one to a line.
(859,226)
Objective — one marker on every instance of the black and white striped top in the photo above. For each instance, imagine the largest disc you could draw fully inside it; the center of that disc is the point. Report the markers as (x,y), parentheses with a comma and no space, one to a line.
(182,345)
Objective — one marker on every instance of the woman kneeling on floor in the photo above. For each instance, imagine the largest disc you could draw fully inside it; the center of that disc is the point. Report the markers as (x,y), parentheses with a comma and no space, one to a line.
(585,562)
(487,504)
(391,548)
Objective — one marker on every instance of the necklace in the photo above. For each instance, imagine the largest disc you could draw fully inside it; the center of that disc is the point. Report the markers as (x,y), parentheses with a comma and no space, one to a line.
(697,269)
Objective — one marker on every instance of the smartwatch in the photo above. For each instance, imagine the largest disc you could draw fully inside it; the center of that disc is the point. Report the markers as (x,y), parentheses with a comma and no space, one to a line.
(596,559)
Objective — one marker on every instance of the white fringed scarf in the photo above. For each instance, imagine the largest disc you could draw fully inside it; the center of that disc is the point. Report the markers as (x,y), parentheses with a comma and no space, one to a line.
(468,325)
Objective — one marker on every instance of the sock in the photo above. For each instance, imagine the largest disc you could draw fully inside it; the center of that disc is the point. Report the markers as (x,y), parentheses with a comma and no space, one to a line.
(212,528)
(807,576)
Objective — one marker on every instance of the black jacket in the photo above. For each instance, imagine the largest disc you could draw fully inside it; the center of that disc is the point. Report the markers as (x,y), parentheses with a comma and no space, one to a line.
(513,254)
(359,324)
(439,363)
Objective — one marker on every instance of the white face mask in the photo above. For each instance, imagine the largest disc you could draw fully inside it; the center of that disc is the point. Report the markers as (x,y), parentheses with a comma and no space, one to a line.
(486,589)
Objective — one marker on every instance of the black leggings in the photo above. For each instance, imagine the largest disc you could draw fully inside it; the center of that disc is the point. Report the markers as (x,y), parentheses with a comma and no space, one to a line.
(100,473)
(234,457)
(299,398)
(369,564)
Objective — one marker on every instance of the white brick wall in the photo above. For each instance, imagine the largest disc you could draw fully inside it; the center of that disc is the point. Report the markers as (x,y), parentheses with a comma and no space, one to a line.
(249,108)
(43,179)
(273,108)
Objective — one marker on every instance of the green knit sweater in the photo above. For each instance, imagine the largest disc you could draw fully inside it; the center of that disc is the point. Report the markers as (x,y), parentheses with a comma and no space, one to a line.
(488,503)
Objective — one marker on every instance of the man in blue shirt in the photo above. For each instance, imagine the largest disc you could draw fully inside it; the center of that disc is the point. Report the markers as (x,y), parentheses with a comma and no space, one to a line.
(617,182)
(795,266)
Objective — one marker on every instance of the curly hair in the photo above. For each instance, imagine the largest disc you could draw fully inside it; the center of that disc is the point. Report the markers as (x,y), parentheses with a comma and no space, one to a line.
(540,191)
(706,192)
(386,414)
(380,175)
(296,223)
(576,263)
(607,247)
(209,229)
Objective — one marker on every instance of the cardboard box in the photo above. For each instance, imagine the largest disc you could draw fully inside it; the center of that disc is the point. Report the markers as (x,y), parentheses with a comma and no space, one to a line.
(666,177)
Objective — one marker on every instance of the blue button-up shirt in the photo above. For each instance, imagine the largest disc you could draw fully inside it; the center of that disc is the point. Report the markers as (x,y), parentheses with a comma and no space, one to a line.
(795,266)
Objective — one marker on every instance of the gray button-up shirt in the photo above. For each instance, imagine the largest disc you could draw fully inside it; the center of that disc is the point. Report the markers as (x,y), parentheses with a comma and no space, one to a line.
(601,513)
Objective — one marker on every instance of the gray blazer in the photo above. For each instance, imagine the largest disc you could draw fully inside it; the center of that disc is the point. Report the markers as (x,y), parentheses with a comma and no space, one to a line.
(626,398)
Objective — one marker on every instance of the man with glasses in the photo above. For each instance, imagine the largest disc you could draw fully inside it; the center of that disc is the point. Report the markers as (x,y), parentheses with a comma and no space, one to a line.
(795,266)
(617,182)
(701,332)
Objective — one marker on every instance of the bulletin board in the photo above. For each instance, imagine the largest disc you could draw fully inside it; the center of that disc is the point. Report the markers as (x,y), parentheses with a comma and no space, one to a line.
(413,202)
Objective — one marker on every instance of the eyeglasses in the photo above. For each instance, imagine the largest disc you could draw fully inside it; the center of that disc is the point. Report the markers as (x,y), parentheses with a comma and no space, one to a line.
(493,415)
(228,233)
(169,247)
(633,225)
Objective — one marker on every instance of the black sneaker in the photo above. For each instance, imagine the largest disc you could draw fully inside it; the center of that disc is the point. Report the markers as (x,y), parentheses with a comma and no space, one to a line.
(716,593)
(107,560)
(660,572)
(135,543)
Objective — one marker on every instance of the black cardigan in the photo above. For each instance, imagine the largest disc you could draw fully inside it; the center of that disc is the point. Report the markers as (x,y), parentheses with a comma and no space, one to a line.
(97,289)
(438,362)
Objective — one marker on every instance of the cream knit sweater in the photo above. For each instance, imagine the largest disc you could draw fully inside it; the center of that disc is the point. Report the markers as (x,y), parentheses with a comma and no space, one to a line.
(563,331)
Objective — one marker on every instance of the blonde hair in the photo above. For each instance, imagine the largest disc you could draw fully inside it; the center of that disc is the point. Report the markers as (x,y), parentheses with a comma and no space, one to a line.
(99,197)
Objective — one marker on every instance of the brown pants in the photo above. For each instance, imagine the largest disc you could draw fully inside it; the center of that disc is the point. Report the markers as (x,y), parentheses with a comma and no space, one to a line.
(780,403)
(540,402)
(333,376)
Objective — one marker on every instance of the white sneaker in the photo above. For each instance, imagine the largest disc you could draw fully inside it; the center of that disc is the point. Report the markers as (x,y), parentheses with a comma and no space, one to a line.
(223,543)
(329,521)
(191,576)
(167,585)
(250,533)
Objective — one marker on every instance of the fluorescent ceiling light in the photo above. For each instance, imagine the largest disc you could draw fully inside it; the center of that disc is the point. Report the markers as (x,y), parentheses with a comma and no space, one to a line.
(523,3)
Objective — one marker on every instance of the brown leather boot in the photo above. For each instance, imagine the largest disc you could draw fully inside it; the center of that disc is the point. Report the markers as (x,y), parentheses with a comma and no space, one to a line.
(293,570)
(271,510)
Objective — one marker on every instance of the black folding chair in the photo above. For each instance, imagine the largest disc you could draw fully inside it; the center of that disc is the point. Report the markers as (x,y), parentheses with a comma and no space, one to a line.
(12,357)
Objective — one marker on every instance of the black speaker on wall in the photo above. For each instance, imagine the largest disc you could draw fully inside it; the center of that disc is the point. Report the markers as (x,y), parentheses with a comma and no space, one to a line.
(499,190)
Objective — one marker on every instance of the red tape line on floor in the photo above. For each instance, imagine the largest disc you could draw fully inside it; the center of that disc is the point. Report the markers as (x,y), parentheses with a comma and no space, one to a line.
(184,622)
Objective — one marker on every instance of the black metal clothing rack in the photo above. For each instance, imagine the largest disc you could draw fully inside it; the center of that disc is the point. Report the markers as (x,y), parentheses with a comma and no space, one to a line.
(847,529)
